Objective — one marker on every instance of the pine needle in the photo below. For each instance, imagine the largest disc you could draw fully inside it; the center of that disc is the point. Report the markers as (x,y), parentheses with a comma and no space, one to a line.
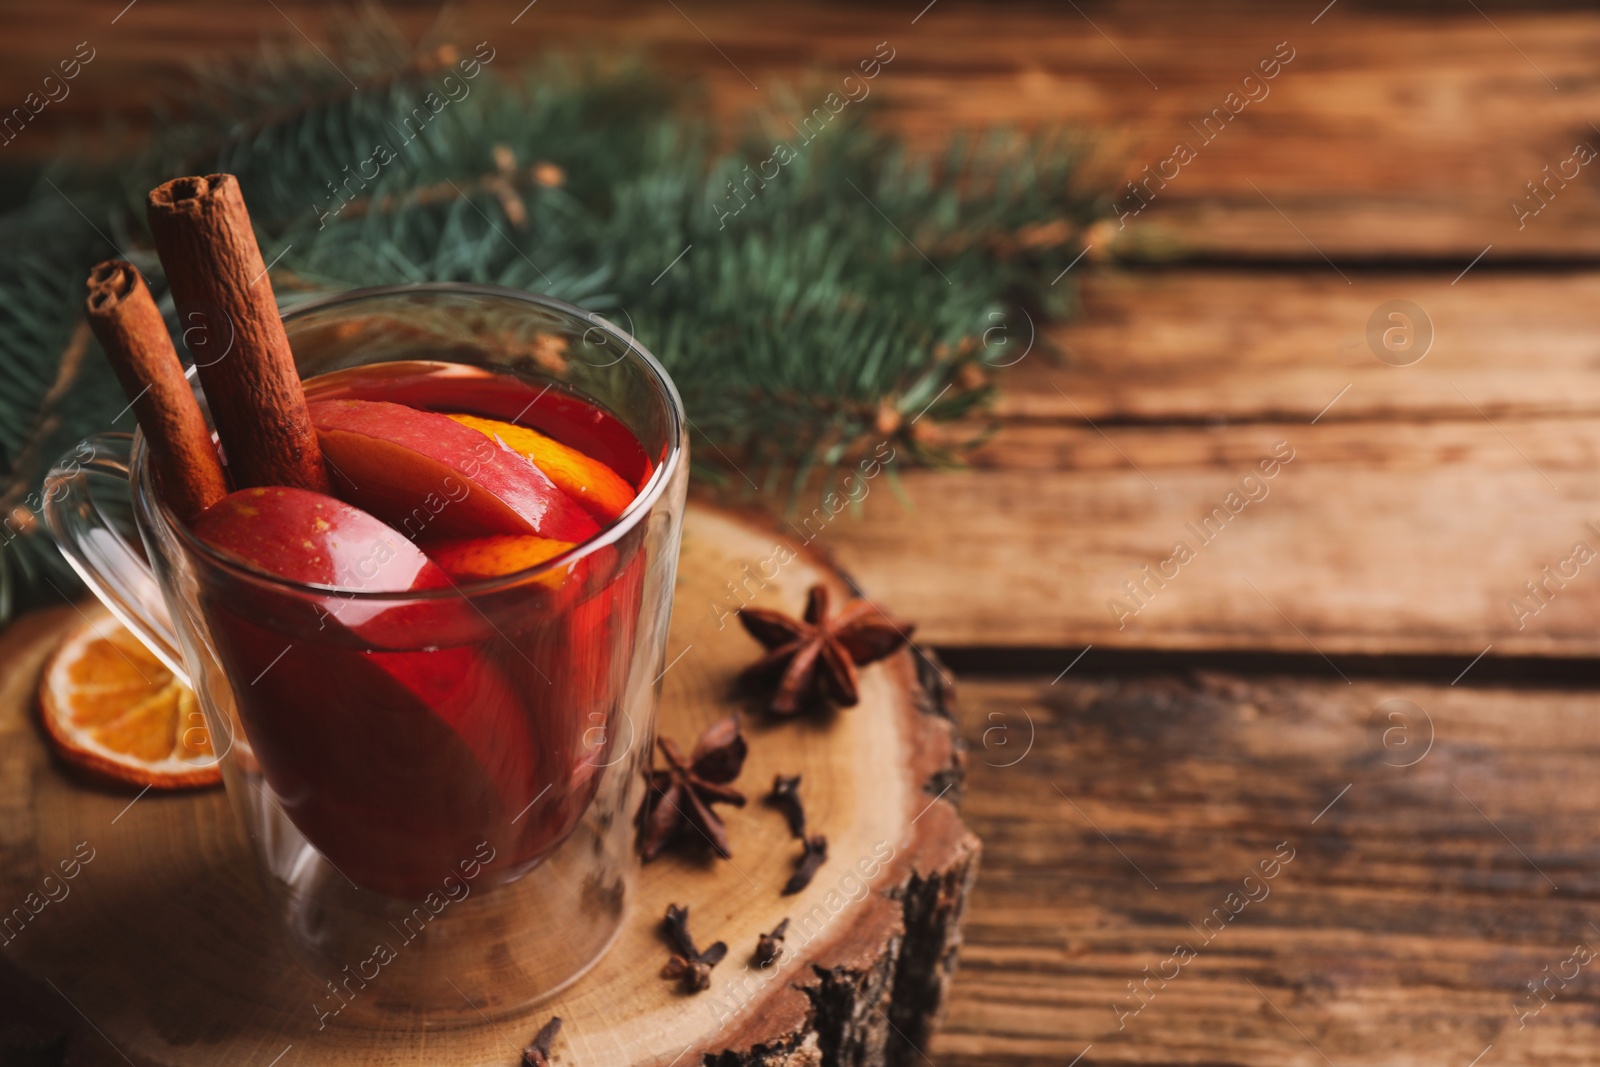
(810,311)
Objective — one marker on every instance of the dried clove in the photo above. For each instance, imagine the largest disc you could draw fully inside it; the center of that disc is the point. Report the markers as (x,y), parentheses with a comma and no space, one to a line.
(537,1054)
(814,856)
(770,946)
(694,974)
(681,794)
(690,965)
(785,796)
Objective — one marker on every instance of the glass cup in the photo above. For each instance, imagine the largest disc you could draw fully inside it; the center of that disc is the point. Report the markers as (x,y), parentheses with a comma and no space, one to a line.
(440,786)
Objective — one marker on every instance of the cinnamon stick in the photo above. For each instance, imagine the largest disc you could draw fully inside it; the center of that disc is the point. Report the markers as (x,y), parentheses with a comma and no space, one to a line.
(125,320)
(231,326)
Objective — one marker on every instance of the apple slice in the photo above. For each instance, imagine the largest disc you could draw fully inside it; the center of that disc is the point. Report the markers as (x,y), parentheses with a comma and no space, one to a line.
(306,536)
(429,476)
(387,730)
(396,765)
(600,490)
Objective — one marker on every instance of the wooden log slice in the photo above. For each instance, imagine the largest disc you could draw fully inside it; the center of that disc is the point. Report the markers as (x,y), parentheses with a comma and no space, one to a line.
(159,950)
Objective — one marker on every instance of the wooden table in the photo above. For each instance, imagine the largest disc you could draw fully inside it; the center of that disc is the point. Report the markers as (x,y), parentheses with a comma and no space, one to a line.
(1336,688)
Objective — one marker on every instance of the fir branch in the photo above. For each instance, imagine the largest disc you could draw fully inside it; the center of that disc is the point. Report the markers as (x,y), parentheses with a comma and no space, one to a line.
(25,466)
(808,314)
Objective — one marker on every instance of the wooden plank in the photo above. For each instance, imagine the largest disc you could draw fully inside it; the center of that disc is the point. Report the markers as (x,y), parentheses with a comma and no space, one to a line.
(1230,346)
(1387,134)
(1404,930)
(1417,506)
(1380,537)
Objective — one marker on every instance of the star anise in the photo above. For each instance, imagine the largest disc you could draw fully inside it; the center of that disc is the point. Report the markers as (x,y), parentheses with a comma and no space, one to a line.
(681,793)
(817,655)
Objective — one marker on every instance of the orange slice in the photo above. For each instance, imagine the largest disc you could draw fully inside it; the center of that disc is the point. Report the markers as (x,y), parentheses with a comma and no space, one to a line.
(497,555)
(113,708)
(600,490)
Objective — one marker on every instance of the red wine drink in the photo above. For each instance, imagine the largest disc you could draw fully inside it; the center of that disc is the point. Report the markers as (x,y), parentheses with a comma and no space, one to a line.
(432,674)
(400,736)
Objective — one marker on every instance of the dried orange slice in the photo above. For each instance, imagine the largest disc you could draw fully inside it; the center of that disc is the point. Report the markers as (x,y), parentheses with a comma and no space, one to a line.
(113,708)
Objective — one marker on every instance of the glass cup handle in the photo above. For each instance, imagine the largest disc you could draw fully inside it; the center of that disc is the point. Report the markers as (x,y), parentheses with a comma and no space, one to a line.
(104,558)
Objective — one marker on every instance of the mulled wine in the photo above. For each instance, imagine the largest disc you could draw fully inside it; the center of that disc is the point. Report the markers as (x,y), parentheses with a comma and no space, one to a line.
(447,673)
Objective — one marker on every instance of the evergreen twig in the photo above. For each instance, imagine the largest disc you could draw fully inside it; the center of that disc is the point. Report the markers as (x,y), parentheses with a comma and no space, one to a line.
(845,302)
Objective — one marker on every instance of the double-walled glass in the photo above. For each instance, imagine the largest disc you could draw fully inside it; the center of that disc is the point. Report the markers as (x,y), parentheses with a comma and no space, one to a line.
(439,785)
